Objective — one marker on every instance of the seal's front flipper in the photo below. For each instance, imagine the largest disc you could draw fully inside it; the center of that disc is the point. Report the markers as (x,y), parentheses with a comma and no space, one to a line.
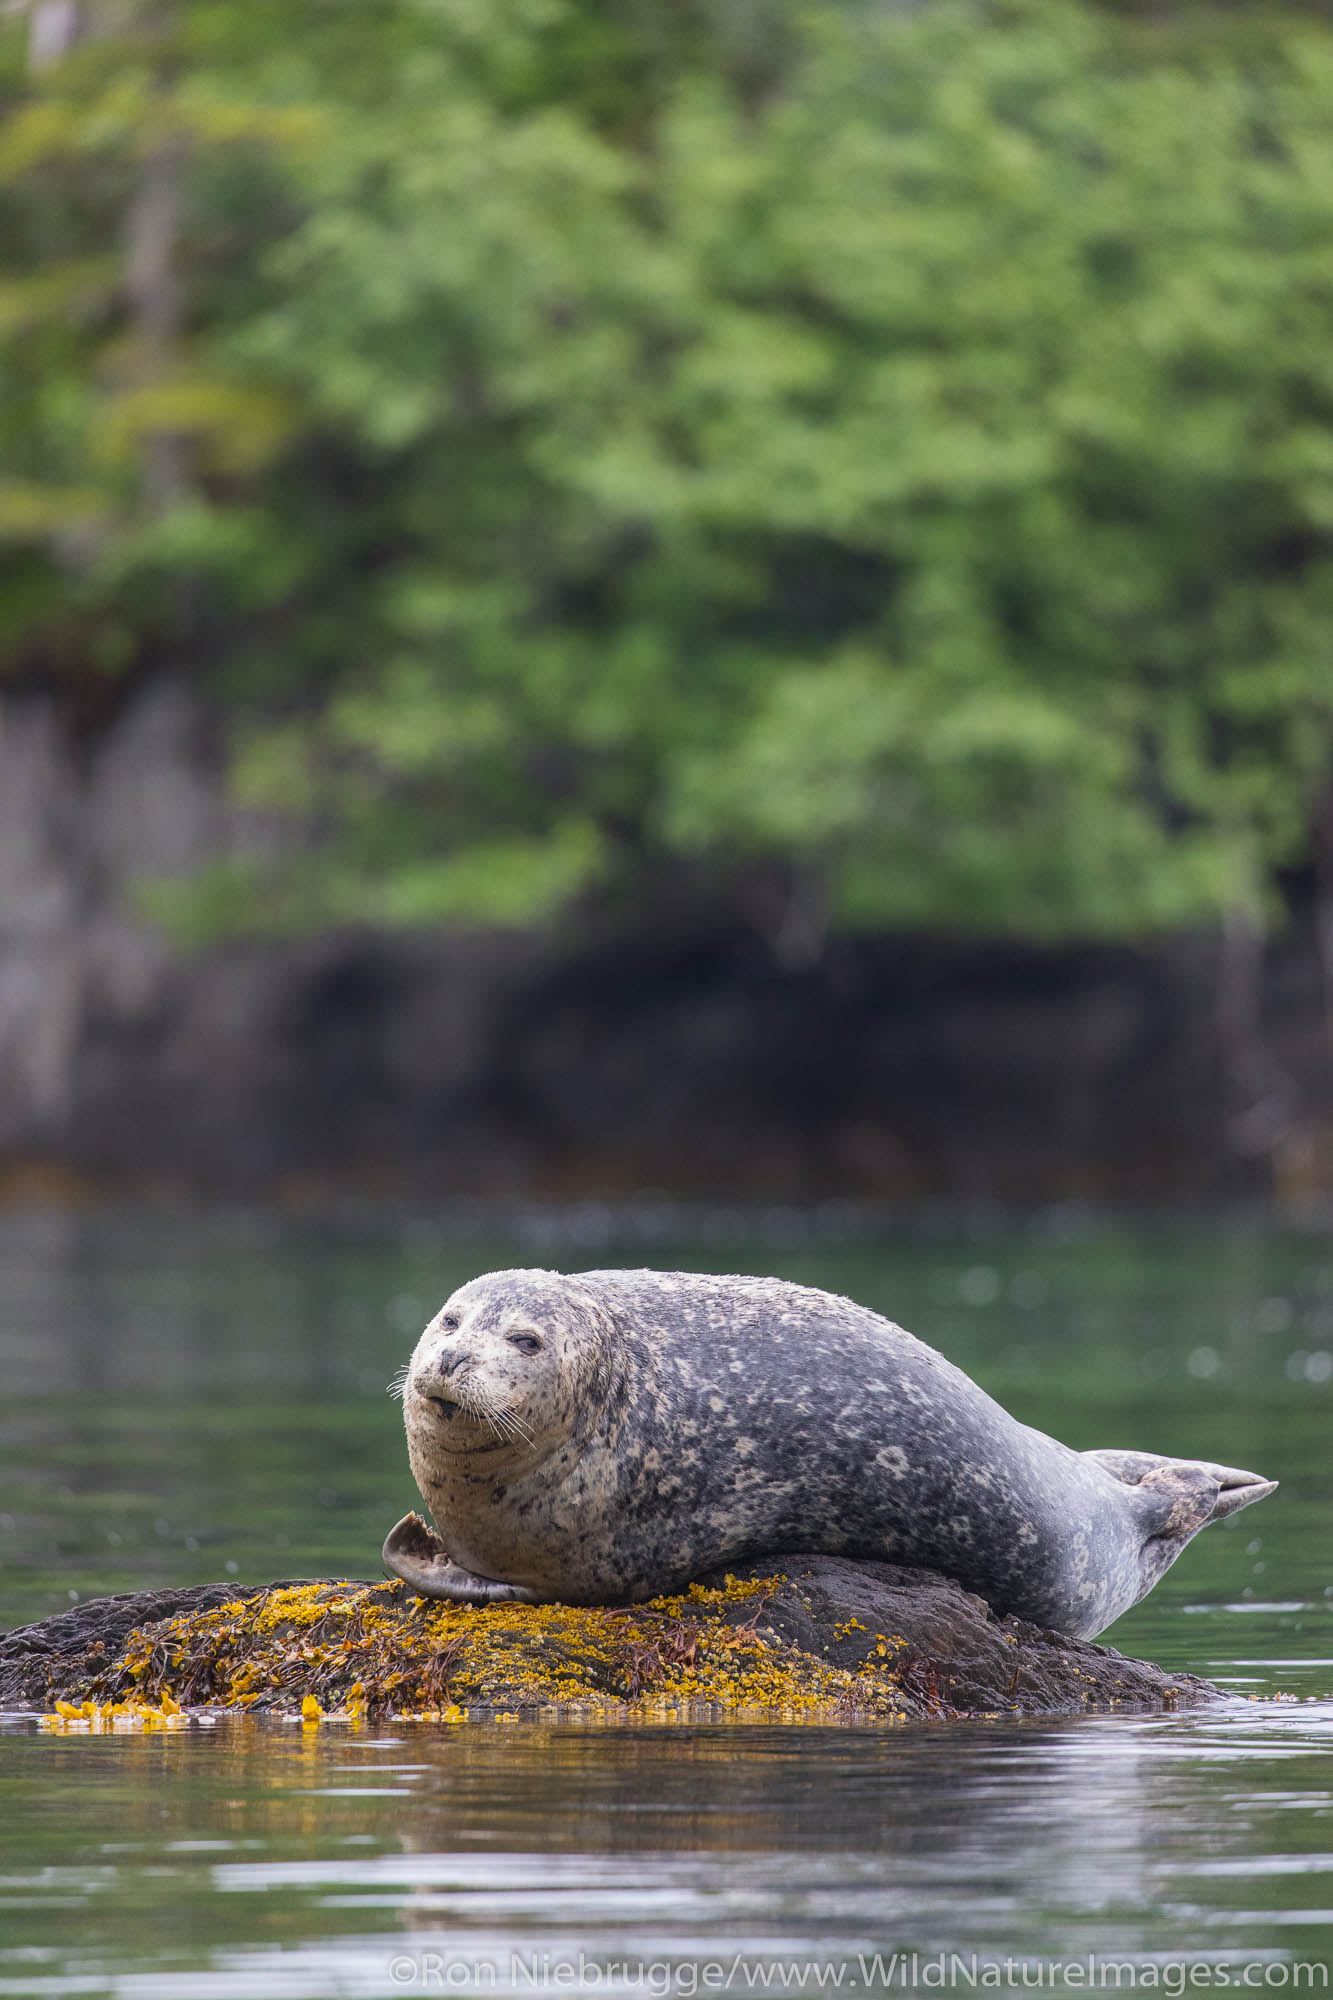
(415,1552)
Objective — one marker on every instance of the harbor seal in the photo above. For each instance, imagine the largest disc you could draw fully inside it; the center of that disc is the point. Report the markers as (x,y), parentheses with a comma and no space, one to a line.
(608,1436)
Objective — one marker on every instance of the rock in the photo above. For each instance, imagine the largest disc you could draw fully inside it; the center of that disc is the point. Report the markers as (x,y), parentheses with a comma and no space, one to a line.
(958,1656)
(61,1654)
(794,1636)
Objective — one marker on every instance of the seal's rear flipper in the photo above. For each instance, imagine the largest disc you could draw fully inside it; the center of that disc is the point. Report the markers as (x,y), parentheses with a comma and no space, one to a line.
(415,1552)
(1188,1493)
(1238,1489)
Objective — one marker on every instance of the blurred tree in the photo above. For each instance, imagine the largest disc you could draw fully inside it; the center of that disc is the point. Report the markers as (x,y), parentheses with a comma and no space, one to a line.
(885,452)
(128,447)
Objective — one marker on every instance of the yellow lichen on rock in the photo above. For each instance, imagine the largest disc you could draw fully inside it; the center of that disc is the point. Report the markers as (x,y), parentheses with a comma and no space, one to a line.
(340,1651)
(712,1597)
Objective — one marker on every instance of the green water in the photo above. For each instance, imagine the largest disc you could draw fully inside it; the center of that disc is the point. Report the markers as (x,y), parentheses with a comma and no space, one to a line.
(195,1398)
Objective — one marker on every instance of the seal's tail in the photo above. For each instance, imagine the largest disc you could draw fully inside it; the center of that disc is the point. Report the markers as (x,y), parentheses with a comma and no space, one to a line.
(1187,1493)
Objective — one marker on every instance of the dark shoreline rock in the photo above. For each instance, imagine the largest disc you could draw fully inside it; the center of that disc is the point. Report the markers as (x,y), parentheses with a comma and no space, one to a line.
(816,1635)
(672,1042)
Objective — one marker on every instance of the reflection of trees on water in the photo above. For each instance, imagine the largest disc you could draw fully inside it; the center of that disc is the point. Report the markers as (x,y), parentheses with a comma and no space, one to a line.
(200,1389)
(187,1303)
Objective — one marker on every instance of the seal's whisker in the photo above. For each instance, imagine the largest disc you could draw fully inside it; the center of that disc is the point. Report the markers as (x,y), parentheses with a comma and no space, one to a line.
(397,1384)
(505,1425)
(511,1426)
(502,1421)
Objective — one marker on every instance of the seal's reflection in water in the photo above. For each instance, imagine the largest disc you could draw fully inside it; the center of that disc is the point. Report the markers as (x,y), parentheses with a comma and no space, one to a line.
(992,1839)
(254,1858)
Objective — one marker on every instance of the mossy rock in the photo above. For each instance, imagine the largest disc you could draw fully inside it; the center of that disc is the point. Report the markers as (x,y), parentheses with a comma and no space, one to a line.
(796,1638)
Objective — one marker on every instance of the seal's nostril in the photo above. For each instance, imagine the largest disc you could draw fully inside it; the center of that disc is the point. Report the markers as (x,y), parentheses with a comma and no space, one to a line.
(449,1362)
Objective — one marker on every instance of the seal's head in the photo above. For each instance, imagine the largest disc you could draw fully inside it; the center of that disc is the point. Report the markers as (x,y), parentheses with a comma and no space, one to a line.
(503,1367)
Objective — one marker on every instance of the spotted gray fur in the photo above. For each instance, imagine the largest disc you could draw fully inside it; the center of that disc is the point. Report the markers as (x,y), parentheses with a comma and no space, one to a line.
(606,1436)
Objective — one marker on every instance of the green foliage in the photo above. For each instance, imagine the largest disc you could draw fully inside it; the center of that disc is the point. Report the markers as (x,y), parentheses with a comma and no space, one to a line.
(890,446)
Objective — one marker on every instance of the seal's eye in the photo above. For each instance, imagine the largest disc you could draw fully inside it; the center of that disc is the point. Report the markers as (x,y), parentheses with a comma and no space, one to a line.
(450,1322)
(527,1343)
